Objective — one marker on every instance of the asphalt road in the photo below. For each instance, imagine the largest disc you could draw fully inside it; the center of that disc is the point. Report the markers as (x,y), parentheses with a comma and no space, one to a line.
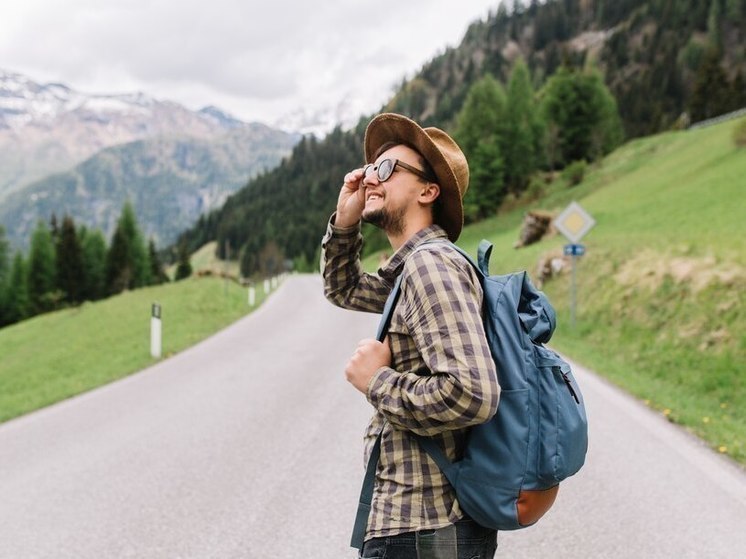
(249,446)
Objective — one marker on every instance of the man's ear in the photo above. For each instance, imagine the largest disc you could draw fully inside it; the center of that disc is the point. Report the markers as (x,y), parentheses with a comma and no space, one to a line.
(429,193)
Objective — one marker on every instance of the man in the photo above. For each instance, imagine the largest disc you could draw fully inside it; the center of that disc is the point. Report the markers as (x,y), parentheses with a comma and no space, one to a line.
(433,374)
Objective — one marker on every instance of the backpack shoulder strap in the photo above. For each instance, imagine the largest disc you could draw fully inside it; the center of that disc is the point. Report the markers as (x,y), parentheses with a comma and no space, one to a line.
(482,265)
(388,310)
(366,497)
(366,492)
(483,256)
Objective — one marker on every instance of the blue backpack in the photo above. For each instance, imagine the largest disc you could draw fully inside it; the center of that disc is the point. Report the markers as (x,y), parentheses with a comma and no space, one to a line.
(512,465)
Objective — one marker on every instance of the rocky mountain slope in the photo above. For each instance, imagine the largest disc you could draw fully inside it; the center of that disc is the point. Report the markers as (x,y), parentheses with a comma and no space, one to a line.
(55,155)
(169,181)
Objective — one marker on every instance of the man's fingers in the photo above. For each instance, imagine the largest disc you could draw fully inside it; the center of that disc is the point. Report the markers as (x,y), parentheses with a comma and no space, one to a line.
(352,179)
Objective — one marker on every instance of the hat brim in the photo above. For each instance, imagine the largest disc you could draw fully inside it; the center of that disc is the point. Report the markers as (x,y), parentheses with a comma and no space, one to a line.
(389,127)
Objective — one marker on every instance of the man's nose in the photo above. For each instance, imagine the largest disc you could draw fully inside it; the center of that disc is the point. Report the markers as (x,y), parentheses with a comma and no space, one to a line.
(371,178)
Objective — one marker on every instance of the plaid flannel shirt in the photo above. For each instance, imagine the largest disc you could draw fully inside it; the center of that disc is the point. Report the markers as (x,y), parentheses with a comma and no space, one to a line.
(442,378)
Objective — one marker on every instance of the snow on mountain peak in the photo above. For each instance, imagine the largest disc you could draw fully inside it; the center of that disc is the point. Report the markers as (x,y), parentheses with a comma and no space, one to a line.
(46,128)
(220,117)
(24,101)
(320,121)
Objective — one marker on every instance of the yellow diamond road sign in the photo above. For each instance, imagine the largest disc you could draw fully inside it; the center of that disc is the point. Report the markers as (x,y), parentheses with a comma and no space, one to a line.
(574,222)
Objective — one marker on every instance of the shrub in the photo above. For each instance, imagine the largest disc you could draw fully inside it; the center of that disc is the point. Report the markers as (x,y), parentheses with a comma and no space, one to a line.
(574,173)
(183,271)
(535,188)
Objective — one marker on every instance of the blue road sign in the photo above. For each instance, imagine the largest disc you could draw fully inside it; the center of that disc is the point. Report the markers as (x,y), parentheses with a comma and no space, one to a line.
(574,250)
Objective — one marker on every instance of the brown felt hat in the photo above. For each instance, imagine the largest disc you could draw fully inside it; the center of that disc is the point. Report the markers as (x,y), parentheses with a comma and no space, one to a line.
(439,150)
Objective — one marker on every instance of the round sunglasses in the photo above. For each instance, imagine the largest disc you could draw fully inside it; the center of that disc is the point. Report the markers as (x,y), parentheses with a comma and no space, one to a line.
(386,168)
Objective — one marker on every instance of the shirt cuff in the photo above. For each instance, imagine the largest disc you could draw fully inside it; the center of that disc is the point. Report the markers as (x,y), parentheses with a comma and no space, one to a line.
(352,230)
(377,384)
(340,240)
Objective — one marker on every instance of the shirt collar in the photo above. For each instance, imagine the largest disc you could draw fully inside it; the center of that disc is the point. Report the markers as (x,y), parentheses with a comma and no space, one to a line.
(394,265)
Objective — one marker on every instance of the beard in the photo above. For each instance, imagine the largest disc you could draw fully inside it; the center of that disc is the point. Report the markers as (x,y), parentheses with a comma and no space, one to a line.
(390,221)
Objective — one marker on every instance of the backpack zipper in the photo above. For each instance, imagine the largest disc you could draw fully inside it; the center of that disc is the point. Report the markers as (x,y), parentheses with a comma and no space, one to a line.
(568,382)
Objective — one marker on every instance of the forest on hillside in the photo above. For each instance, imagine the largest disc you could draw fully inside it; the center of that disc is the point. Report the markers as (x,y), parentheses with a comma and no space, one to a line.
(663,60)
(69,263)
(563,80)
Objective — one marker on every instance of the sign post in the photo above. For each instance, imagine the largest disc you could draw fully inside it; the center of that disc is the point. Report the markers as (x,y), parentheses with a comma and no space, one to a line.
(574,222)
(155,331)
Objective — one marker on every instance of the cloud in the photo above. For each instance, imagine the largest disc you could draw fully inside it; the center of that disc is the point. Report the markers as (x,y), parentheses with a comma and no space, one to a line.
(244,52)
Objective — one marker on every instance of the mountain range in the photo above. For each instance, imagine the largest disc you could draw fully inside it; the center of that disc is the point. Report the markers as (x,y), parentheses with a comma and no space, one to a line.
(64,151)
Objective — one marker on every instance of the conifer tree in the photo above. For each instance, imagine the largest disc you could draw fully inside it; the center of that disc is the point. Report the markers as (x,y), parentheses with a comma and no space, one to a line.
(4,276)
(477,133)
(713,26)
(4,311)
(54,229)
(734,10)
(42,277)
(184,266)
(127,264)
(94,263)
(70,266)
(157,273)
(486,175)
(712,92)
(119,266)
(581,112)
(18,304)
(738,91)
(520,130)
(609,133)
(4,256)
(139,249)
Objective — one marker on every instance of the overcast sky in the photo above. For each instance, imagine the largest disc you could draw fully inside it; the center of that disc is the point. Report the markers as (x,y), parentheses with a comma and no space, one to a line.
(257,60)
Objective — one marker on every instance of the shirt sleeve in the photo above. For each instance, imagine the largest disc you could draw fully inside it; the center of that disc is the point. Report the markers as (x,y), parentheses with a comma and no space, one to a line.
(345,283)
(441,302)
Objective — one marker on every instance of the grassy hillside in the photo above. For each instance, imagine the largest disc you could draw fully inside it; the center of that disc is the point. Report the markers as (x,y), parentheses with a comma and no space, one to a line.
(54,356)
(662,288)
(664,284)
(205,261)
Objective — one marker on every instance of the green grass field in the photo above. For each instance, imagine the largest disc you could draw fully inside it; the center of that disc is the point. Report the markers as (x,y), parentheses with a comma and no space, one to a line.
(661,292)
(54,356)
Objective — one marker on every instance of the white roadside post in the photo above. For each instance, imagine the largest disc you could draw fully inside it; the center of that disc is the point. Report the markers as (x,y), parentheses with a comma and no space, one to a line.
(574,222)
(266,287)
(155,331)
(252,296)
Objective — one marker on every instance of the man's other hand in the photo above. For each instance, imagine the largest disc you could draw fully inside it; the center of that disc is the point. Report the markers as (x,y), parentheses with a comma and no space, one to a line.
(369,356)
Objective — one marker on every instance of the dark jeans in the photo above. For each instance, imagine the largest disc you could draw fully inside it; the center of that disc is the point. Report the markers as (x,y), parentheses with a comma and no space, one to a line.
(463,540)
